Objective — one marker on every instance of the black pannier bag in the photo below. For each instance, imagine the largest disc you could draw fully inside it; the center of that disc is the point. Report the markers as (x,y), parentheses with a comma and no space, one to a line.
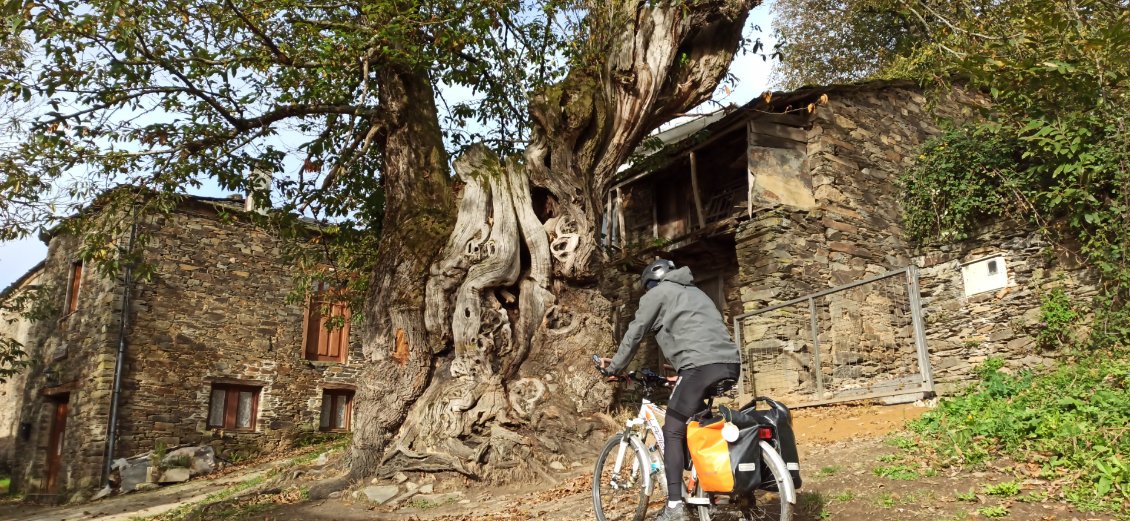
(776,416)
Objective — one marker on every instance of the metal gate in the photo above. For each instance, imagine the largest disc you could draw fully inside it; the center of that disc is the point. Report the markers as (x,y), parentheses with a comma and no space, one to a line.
(858,341)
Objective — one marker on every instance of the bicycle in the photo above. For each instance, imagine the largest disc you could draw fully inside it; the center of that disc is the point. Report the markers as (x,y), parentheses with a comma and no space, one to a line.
(623,490)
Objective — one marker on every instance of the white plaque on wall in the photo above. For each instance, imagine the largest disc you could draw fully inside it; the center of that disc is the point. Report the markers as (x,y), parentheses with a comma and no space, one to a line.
(983,275)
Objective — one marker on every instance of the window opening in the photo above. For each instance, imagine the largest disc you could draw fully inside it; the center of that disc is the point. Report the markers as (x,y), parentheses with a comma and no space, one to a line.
(233,407)
(337,410)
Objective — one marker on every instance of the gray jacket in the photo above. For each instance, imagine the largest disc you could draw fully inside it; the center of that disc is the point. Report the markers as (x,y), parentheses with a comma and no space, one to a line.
(687,325)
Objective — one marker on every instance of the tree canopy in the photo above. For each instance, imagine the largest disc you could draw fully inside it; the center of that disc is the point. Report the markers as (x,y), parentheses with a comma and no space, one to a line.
(168,95)
(834,41)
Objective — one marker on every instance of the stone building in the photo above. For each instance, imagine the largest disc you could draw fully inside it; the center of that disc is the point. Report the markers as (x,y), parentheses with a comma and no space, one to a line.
(211,352)
(787,209)
(14,326)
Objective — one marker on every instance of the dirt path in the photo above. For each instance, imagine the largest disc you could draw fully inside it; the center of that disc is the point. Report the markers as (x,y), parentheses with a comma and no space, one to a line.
(841,449)
(851,472)
(137,505)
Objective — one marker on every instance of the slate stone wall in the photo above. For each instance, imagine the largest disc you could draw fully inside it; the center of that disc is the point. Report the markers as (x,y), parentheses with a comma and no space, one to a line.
(215,311)
(72,360)
(18,328)
(962,331)
(858,145)
(849,153)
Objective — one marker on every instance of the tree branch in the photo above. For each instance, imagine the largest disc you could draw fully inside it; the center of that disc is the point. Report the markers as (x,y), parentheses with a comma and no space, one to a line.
(270,44)
(189,86)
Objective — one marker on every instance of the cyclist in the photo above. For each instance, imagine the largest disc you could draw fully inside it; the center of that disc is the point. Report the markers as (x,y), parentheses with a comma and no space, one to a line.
(694,339)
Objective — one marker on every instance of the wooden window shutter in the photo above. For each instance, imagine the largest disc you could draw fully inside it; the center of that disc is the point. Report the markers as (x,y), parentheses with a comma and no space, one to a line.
(322,343)
(72,291)
(339,337)
(337,410)
(315,326)
(233,407)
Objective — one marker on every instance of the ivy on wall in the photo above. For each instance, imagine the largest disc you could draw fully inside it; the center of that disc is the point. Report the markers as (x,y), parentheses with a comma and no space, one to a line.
(1055,149)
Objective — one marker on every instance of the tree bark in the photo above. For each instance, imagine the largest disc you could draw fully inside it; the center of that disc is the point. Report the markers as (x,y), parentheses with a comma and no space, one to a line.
(418,216)
(497,380)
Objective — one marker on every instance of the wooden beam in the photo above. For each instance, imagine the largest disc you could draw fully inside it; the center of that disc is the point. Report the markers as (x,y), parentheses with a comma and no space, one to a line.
(751,181)
(779,131)
(619,206)
(654,213)
(694,191)
(608,221)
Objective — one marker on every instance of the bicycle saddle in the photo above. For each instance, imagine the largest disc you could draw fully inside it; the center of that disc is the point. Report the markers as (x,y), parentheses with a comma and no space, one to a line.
(721,387)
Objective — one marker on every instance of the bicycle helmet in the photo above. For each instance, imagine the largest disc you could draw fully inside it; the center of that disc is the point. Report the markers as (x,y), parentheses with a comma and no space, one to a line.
(655,272)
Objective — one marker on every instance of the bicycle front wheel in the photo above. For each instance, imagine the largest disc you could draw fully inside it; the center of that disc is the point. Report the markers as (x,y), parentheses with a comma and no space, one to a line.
(621,480)
(772,501)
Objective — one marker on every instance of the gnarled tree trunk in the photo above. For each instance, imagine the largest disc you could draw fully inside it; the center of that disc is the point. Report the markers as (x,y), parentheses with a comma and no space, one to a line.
(499,311)
(418,216)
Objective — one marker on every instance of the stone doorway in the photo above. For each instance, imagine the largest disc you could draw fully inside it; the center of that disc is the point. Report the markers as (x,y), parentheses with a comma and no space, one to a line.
(58,407)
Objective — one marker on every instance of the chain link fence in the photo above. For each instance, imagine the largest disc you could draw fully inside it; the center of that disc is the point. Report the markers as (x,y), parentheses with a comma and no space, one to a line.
(857,341)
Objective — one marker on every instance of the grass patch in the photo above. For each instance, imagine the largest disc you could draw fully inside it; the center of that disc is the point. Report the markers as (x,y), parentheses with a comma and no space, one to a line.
(891,500)
(829,471)
(1033,497)
(309,438)
(899,472)
(993,512)
(199,511)
(235,511)
(902,442)
(1008,488)
(217,504)
(844,497)
(887,500)
(425,504)
(969,497)
(1069,421)
(812,504)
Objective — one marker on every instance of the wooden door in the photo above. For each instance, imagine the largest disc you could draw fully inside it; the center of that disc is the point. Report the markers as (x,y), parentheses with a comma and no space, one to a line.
(55,442)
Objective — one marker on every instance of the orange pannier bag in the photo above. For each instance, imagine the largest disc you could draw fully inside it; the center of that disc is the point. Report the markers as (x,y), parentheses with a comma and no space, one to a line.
(711,456)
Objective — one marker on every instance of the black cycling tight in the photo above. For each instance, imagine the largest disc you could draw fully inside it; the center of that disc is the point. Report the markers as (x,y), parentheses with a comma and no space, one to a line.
(688,399)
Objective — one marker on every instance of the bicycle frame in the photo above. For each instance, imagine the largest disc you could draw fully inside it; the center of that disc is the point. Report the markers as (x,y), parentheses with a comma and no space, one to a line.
(649,417)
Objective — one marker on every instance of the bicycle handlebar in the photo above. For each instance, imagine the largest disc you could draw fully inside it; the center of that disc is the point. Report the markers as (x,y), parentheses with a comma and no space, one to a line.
(645,377)
(600,366)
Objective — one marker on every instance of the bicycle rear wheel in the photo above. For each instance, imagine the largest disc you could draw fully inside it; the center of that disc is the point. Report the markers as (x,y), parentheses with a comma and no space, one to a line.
(621,482)
(773,501)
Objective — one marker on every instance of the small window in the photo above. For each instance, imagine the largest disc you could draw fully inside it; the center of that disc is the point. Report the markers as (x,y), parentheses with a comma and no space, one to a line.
(233,407)
(984,275)
(327,327)
(337,410)
(73,287)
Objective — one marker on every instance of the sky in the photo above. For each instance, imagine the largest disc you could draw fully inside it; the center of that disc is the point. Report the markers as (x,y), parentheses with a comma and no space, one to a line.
(17,257)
